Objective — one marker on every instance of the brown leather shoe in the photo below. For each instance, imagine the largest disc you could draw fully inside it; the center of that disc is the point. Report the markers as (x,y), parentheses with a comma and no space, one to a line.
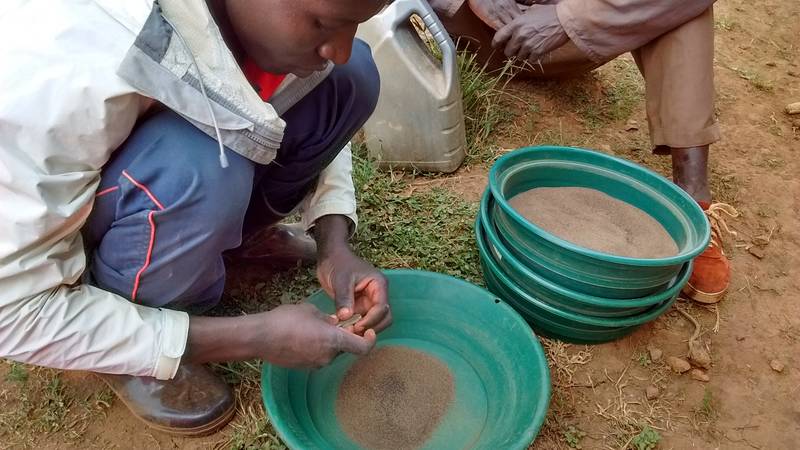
(277,245)
(712,272)
(194,403)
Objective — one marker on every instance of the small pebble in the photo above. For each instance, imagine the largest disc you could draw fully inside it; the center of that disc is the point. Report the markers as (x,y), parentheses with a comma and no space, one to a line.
(699,375)
(758,252)
(776,365)
(652,392)
(604,148)
(741,338)
(793,108)
(792,73)
(678,365)
(771,64)
(655,354)
(631,125)
(349,322)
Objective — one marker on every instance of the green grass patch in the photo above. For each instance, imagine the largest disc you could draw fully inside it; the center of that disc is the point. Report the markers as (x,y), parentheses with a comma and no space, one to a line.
(708,406)
(624,91)
(39,406)
(53,407)
(482,92)
(610,95)
(725,23)
(17,373)
(430,230)
(755,79)
(647,439)
(573,437)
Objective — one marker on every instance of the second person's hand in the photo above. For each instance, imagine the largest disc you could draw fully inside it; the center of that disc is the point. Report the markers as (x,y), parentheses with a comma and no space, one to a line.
(532,35)
(496,13)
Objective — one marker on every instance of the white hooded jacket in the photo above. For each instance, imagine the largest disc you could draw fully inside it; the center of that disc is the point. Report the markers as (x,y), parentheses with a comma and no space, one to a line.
(75,75)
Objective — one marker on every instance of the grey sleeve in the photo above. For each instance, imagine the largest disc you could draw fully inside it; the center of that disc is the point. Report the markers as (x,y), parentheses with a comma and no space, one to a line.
(604,29)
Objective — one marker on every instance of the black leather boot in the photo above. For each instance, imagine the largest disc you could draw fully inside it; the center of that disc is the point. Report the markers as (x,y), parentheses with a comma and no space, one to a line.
(195,403)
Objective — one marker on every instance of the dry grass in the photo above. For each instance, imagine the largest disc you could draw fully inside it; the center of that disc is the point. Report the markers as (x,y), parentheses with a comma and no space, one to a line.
(39,406)
(250,429)
(564,361)
(627,413)
(625,417)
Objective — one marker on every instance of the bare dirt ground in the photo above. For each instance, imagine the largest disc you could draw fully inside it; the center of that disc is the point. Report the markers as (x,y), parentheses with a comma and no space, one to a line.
(752,399)
(746,403)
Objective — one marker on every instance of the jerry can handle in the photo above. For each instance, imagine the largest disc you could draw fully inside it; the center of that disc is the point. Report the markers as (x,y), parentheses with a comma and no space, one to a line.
(435,27)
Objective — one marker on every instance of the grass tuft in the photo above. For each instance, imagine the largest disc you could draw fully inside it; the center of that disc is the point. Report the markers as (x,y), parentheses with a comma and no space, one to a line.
(482,93)
(725,24)
(17,373)
(40,407)
(430,230)
(608,95)
(707,409)
(755,79)
(573,437)
(251,429)
(647,439)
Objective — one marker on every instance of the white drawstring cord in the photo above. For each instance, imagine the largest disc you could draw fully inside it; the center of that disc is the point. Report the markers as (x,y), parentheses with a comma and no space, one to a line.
(223,159)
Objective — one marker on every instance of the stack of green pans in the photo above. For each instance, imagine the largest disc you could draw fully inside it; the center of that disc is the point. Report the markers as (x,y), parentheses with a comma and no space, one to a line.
(570,292)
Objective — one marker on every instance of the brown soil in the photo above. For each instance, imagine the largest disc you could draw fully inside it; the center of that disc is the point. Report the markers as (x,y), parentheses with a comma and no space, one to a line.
(393,398)
(595,220)
(599,392)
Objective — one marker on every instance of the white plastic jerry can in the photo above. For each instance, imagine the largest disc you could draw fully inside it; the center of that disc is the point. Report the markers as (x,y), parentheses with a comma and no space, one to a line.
(419,120)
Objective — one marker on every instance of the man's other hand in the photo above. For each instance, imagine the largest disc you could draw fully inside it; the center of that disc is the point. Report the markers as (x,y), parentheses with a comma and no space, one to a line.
(357,288)
(355,285)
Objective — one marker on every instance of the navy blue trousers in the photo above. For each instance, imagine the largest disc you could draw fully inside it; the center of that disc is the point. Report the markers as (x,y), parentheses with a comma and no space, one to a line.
(166,211)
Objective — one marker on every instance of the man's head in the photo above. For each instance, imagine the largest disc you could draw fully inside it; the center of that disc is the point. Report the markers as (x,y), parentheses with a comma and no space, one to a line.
(297,36)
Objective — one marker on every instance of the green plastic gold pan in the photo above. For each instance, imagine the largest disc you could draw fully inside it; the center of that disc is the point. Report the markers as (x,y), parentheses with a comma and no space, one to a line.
(501,378)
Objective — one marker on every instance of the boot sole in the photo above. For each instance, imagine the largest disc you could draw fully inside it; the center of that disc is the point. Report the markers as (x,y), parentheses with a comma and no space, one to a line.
(199,431)
(708,298)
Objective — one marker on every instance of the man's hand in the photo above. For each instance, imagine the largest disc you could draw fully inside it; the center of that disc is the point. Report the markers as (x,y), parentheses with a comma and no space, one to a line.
(355,285)
(496,13)
(295,336)
(302,336)
(532,35)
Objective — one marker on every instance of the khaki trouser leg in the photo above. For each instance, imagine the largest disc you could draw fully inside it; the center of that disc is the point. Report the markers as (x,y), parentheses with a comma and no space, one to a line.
(678,68)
